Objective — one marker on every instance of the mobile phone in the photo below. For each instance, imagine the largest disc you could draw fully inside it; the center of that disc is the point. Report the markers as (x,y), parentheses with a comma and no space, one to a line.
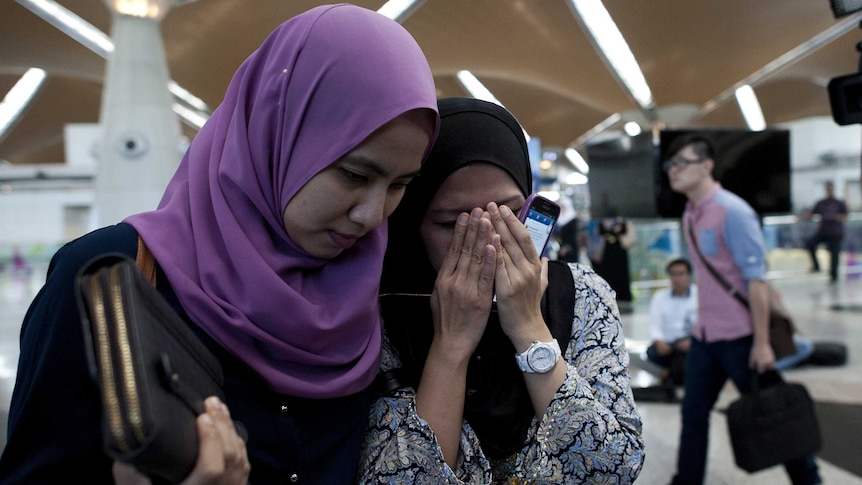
(539,215)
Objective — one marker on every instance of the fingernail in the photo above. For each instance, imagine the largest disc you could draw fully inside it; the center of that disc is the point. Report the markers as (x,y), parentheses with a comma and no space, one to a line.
(462,218)
(475,215)
(505,211)
(207,420)
(217,404)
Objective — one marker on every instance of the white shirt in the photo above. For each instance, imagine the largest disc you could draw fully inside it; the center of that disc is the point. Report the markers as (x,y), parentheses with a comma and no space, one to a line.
(671,316)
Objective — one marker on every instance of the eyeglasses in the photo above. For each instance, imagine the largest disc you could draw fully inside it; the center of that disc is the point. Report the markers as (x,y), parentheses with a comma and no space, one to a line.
(679,162)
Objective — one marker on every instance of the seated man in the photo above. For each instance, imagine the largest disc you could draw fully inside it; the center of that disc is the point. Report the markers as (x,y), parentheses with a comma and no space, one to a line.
(673,311)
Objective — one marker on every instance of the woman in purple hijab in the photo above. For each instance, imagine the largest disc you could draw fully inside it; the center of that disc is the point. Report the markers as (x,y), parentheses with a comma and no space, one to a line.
(269,242)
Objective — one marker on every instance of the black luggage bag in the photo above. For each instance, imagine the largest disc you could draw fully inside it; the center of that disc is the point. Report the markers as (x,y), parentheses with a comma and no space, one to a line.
(772,424)
(828,354)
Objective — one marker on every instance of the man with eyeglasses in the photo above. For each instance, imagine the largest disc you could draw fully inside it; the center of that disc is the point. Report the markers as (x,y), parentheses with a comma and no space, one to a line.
(728,339)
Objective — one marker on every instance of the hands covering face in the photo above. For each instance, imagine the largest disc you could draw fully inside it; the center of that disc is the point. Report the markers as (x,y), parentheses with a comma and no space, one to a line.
(490,250)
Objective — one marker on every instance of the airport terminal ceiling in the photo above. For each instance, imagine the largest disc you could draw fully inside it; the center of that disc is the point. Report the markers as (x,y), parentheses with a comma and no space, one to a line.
(532,54)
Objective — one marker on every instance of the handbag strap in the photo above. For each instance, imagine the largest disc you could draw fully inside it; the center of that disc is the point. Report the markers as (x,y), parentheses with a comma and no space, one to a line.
(145,262)
(760,381)
(723,282)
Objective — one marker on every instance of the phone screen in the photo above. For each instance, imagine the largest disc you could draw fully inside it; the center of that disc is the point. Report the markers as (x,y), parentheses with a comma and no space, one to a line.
(540,218)
(539,226)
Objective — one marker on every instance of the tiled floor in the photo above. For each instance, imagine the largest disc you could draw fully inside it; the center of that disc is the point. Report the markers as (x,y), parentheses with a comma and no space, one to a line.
(810,299)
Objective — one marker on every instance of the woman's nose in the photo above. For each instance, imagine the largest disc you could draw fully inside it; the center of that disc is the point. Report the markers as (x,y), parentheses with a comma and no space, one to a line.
(370,211)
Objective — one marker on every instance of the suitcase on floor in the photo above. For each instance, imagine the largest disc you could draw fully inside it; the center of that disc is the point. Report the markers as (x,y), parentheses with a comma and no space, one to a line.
(828,354)
(657,393)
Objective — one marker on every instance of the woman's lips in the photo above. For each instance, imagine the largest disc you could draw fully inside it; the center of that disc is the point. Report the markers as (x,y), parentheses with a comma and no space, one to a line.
(342,240)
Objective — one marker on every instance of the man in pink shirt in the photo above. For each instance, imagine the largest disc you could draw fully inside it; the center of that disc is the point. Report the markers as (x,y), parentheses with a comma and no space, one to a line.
(728,340)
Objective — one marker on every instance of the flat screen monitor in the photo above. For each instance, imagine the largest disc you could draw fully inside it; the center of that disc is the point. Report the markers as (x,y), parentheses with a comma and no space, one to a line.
(754,165)
(623,175)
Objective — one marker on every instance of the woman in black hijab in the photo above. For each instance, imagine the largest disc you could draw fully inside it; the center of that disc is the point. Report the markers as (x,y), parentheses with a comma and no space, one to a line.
(456,405)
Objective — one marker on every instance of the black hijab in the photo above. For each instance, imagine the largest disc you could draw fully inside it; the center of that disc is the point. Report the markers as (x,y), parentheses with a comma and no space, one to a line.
(497,404)
(471,130)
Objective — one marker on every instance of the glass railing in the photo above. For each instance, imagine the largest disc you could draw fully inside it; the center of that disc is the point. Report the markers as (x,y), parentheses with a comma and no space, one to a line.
(659,241)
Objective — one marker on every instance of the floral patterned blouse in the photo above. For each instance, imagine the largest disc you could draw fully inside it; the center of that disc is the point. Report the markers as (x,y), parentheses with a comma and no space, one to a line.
(591,432)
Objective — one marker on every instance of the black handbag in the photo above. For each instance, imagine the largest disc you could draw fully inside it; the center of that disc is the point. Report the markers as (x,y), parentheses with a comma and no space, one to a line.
(772,424)
(781,332)
(152,371)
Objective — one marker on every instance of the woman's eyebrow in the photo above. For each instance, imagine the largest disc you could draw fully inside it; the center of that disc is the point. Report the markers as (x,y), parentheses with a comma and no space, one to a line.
(454,211)
(450,212)
(375,167)
(507,201)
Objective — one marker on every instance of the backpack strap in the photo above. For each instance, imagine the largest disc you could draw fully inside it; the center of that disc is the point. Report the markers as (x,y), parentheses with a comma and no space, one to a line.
(558,307)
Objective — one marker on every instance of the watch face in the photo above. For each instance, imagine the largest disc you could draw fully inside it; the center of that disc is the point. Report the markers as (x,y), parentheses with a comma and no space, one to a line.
(542,358)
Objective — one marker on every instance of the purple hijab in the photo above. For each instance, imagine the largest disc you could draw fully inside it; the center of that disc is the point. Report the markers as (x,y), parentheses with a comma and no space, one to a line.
(318,86)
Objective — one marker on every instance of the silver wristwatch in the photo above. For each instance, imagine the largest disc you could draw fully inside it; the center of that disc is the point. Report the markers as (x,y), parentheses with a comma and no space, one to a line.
(539,358)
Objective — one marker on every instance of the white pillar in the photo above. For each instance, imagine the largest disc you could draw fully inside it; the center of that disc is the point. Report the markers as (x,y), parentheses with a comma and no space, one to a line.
(139,150)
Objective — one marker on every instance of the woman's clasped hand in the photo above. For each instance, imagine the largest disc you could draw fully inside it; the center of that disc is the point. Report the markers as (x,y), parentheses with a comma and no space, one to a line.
(222,457)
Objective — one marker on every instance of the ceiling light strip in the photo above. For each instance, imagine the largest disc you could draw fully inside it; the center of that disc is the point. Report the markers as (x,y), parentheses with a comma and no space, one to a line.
(781,62)
(399,10)
(97,41)
(182,94)
(750,107)
(71,24)
(194,118)
(476,89)
(614,50)
(603,126)
(18,98)
(577,160)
